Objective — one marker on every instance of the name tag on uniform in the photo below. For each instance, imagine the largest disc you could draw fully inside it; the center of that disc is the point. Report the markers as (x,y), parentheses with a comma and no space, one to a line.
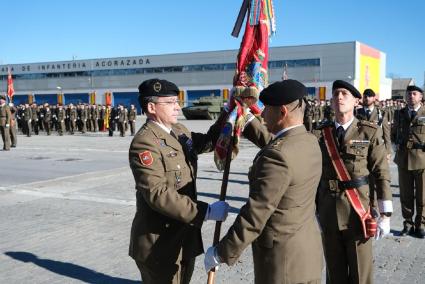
(358,143)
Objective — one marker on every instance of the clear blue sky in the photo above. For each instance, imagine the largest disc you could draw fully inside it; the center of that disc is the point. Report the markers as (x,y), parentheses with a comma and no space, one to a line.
(47,30)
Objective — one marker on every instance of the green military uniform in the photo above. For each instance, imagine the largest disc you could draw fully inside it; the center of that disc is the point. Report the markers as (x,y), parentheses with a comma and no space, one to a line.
(5,117)
(410,159)
(279,217)
(379,118)
(132,115)
(166,235)
(308,116)
(72,119)
(12,130)
(27,114)
(47,119)
(61,120)
(122,119)
(348,254)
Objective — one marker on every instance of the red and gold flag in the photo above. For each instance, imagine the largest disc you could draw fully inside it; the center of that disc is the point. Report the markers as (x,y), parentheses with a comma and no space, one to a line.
(251,75)
(10,89)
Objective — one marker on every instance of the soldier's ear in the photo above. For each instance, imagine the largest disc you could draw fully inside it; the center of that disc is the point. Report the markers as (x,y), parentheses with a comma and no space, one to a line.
(356,102)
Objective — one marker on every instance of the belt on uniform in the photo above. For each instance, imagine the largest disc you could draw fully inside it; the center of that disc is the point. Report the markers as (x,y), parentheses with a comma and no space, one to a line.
(337,185)
(418,146)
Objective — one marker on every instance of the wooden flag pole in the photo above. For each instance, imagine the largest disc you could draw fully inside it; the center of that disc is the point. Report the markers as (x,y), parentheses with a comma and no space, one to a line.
(223,193)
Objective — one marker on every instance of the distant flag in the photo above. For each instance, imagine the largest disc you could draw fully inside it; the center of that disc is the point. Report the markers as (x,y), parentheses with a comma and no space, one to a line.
(285,72)
(251,72)
(10,89)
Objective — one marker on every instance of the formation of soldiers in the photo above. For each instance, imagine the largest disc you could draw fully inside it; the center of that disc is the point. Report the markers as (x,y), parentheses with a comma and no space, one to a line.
(318,112)
(31,119)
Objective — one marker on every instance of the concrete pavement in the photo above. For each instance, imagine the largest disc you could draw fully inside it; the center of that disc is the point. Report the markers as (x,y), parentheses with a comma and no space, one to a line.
(67,202)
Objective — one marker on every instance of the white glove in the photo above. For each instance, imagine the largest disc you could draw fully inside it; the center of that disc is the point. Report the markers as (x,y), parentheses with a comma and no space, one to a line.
(211,259)
(383,228)
(7,125)
(217,211)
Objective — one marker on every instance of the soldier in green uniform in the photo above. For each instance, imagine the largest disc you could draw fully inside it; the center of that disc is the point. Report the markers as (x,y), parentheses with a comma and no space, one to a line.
(348,252)
(410,159)
(370,112)
(279,218)
(132,115)
(61,115)
(26,120)
(47,118)
(5,117)
(72,119)
(166,230)
(12,129)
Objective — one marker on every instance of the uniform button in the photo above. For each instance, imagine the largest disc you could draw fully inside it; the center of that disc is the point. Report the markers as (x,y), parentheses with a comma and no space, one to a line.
(178,166)
(167,225)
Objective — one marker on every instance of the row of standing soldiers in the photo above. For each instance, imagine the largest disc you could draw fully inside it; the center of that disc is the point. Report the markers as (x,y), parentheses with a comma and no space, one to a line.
(72,118)
(318,112)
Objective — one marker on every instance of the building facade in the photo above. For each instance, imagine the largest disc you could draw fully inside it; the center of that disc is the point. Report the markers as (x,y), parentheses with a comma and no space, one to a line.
(115,80)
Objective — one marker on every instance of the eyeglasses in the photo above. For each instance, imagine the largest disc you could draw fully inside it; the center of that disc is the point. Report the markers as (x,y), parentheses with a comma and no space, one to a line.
(176,102)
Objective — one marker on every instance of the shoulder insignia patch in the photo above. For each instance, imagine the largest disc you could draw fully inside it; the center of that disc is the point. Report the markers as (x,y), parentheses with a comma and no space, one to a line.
(146,158)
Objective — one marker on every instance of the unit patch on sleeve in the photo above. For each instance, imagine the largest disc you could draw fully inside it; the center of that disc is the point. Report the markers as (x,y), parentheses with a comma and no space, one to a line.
(146,158)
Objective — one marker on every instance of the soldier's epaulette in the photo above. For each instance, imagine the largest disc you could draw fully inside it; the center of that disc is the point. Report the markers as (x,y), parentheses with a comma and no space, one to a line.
(324,124)
(367,123)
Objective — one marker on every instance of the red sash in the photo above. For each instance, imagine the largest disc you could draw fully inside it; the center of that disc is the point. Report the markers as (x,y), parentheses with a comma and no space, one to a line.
(368,222)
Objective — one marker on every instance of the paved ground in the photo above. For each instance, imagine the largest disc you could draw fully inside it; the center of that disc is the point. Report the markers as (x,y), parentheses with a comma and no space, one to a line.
(66,206)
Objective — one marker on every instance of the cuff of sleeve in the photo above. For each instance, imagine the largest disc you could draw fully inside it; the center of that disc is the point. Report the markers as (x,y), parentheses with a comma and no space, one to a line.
(385,206)
(200,215)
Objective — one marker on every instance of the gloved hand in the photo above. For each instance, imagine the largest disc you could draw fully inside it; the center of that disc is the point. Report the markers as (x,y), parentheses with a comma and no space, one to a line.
(217,211)
(211,259)
(383,228)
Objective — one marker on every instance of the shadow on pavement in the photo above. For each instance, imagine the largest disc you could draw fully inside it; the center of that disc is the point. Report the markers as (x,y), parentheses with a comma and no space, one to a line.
(68,269)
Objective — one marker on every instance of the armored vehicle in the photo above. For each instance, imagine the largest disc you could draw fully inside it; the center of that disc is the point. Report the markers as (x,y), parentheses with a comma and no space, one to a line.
(208,107)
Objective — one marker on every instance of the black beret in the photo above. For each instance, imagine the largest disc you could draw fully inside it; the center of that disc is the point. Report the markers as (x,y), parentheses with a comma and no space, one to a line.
(2,97)
(369,93)
(345,85)
(414,88)
(157,88)
(283,93)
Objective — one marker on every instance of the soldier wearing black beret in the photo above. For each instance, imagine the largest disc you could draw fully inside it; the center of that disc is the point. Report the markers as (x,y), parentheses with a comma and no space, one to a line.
(410,159)
(166,230)
(278,220)
(348,248)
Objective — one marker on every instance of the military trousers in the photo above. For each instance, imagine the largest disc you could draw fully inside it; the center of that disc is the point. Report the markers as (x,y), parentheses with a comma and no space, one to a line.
(411,194)
(179,273)
(13,134)
(132,126)
(349,259)
(5,136)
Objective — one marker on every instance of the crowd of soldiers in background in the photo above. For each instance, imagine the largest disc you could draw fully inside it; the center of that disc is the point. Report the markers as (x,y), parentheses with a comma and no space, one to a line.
(31,119)
(318,112)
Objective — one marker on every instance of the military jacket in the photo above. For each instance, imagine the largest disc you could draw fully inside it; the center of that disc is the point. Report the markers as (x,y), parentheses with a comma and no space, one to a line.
(363,153)
(27,114)
(5,115)
(61,115)
(34,114)
(132,114)
(279,217)
(380,118)
(410,139)
(72,114)
(167,223)
(47,115)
